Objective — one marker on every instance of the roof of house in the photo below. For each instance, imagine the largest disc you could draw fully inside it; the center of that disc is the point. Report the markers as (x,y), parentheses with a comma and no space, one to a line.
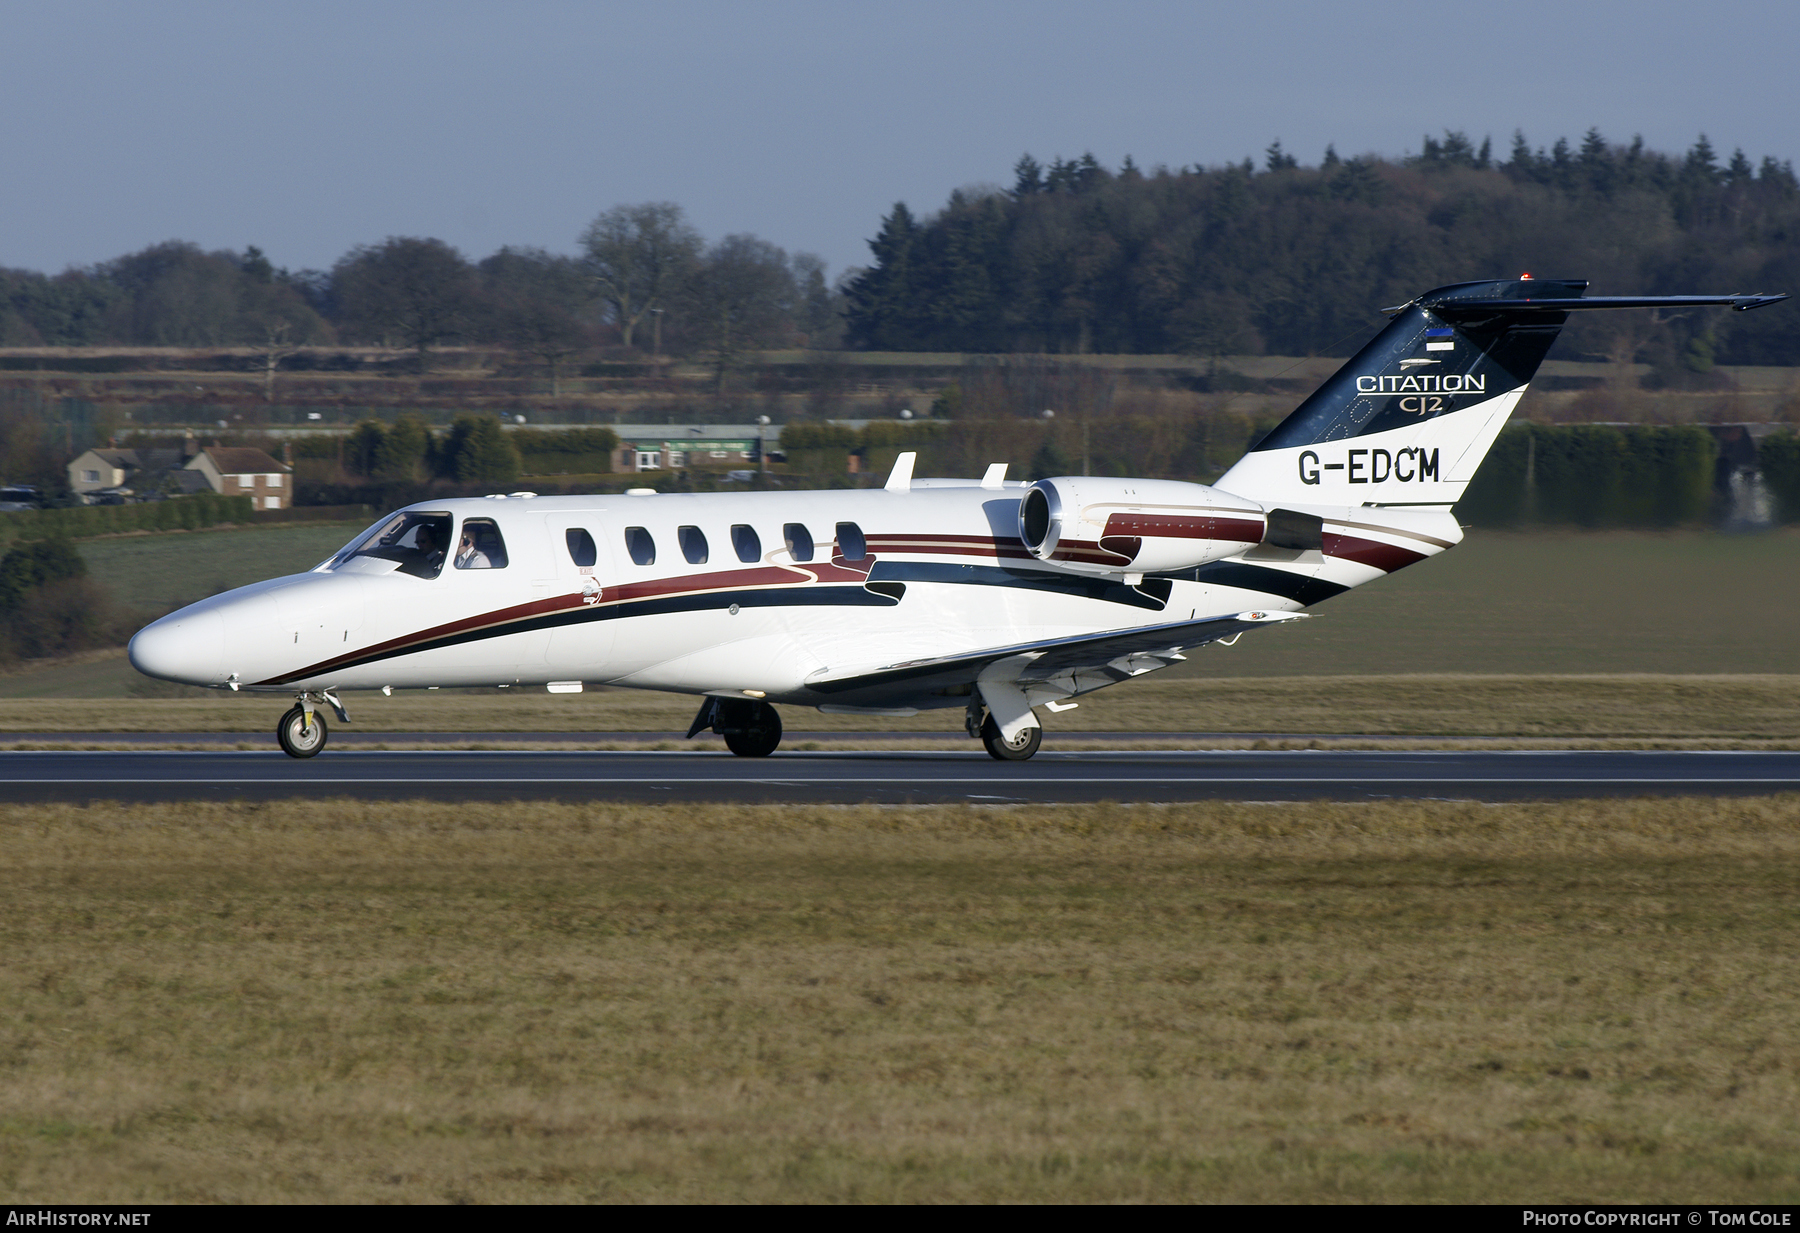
(133,460)
(242,461)
(187,480)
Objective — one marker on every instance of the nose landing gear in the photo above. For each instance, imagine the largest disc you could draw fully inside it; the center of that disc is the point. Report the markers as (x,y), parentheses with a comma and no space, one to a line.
(302,730)
(301,733)
(751,729)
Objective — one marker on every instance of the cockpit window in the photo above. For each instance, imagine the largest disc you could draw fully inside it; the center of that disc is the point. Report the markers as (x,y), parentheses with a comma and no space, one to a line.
(416,543)
(480,546)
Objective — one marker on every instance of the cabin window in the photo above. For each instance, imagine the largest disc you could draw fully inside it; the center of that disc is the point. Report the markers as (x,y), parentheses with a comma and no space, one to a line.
(417,543)
(582,549)
(747,543)
(640,546)
(851,545)
(799,541)
(693,544)
(480,546)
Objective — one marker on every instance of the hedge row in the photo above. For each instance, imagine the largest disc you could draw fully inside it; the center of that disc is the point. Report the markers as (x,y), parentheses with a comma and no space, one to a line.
(573,451)
(1593,475)
(1780,461)
(189,513)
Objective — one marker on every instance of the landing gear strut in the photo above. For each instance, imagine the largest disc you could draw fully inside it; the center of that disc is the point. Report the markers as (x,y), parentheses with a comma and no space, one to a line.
(751,729)
(302,730)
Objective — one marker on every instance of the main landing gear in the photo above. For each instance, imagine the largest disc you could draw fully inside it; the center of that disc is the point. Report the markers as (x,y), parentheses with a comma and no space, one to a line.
(980,722)
(751,729)
(1022,746)
(302,730)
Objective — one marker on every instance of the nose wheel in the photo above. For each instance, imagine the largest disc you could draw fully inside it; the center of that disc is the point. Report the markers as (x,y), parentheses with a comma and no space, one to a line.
(751,729)
(301,735)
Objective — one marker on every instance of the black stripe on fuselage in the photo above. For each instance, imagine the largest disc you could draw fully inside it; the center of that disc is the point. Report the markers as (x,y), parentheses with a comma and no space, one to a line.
(1260,578)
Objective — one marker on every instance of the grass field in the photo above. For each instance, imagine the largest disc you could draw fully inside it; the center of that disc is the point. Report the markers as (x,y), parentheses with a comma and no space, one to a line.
(1587,1001)
(157,573)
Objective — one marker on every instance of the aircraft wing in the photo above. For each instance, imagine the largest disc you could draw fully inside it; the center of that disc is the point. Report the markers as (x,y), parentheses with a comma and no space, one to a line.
(1045,671)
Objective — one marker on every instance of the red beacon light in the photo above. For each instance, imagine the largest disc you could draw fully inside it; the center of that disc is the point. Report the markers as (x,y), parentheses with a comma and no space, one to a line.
(1525,277)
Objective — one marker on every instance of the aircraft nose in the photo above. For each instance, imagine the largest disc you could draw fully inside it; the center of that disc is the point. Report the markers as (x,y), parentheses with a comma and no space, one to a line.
(185,646)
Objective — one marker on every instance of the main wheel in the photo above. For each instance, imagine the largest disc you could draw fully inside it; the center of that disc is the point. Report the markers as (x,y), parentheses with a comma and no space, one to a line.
(1018,749)
(298,739)
(750,729)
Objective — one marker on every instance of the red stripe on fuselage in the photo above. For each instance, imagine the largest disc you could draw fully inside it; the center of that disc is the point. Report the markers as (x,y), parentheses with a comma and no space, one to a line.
(722,580)
(1371,552)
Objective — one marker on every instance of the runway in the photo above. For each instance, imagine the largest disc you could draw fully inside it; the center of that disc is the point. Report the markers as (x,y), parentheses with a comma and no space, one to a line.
(890,777)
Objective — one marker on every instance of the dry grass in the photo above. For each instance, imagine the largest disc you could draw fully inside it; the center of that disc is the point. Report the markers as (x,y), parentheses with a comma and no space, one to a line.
(1405,1001)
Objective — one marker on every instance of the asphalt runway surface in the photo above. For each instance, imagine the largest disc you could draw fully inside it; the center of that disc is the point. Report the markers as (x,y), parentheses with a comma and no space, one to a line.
(890,777)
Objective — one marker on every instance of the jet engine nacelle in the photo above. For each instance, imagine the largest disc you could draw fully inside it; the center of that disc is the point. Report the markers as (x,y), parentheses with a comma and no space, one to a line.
(1093,525)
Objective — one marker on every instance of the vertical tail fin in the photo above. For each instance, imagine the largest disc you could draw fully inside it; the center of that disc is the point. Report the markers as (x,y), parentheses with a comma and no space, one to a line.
(1410,417)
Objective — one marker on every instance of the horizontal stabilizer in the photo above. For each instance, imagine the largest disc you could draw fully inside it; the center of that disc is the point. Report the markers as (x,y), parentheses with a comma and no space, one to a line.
(1453,308)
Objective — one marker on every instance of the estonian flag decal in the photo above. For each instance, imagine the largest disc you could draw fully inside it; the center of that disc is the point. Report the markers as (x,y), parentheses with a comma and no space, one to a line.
(1443,339)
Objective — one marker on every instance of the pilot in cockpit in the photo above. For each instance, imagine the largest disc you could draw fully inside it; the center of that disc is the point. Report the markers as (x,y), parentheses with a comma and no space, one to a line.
(431,556)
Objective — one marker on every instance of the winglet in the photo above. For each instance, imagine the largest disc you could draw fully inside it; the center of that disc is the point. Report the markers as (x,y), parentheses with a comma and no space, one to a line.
(995,477)
(900,478)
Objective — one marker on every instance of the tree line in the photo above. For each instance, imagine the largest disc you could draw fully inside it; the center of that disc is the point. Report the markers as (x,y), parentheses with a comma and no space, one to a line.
(1074,257)
(1077,257)
(641,270)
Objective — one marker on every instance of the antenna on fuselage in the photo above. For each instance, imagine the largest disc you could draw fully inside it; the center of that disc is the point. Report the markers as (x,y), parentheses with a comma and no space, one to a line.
(996,475)
(900,478)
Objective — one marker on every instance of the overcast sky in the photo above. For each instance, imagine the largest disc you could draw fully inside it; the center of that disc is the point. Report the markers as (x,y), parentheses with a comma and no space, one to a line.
(306,129)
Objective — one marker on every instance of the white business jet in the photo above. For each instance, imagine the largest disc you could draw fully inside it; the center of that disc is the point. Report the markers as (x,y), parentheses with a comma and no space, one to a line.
(987,595)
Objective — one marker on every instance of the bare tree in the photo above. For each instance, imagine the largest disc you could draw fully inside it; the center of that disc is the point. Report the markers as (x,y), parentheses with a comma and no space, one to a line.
(274,318)
(535,302)
(635,258)
(743,293)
